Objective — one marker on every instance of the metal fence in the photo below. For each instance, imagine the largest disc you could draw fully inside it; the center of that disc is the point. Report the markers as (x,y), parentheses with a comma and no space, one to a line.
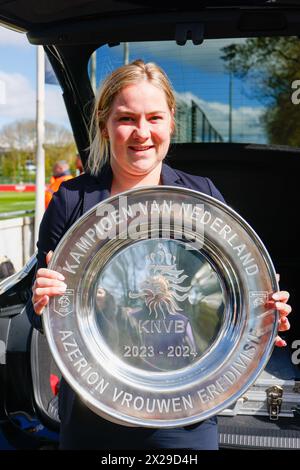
(193,125)
(11,214)
(17,240)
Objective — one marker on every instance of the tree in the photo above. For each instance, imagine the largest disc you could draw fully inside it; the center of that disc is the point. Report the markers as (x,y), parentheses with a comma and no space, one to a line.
(21,135)
(19,141)
(270,66)
(54,153)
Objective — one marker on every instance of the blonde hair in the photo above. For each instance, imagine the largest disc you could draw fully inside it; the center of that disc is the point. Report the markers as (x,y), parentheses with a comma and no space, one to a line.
(126,75)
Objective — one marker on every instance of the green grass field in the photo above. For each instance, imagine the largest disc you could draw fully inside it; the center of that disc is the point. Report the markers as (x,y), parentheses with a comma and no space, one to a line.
(11,201)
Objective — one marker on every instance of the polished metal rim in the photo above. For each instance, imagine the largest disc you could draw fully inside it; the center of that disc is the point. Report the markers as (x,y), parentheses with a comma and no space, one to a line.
(133,391)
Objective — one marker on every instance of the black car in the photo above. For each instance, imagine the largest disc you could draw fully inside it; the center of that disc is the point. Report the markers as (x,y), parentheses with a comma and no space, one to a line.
(234,68)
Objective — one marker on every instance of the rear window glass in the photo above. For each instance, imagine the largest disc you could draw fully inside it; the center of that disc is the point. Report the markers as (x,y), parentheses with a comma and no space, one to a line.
(228,90)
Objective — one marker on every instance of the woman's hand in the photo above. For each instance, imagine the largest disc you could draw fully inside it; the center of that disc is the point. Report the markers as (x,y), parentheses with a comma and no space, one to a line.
(47,284)
(280,299)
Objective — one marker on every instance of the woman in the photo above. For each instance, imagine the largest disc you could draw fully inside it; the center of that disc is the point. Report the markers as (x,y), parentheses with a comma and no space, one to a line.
(133,123)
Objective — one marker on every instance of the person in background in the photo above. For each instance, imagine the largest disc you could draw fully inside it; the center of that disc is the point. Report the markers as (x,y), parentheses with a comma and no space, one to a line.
(78,165)
(61,172)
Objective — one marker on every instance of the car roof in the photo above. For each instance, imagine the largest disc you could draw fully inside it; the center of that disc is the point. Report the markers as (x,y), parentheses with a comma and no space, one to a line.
(36,15)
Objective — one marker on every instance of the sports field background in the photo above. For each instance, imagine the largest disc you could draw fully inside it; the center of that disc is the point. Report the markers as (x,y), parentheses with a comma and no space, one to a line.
(11,201)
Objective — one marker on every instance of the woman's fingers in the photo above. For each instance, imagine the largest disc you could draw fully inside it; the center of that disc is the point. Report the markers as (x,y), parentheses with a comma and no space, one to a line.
(40,305)
(44,288)
(280,342)
(48,283)
(283,309)
(49,273)
(282,296)
(279,301)
(284,324)
(48,257)
(50,290)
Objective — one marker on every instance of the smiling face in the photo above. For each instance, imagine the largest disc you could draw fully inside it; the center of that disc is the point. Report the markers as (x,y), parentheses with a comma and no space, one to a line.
(139,129)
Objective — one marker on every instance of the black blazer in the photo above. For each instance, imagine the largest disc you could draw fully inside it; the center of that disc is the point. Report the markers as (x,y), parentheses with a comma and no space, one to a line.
(80,427)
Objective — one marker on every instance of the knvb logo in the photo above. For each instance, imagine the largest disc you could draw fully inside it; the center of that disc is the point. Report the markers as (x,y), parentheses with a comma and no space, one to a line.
(64,304)
(161,288)
(258,298)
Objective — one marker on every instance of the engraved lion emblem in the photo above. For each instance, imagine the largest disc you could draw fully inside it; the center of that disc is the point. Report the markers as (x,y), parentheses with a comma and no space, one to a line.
(162,289)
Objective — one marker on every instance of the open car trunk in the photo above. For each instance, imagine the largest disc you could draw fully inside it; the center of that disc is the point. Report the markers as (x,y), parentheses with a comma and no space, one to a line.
(259,181)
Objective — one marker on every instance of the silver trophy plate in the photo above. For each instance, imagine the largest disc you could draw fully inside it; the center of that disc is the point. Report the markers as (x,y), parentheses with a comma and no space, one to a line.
(165,320)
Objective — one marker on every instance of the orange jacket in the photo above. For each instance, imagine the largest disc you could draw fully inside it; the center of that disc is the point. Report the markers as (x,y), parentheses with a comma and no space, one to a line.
(53,187)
